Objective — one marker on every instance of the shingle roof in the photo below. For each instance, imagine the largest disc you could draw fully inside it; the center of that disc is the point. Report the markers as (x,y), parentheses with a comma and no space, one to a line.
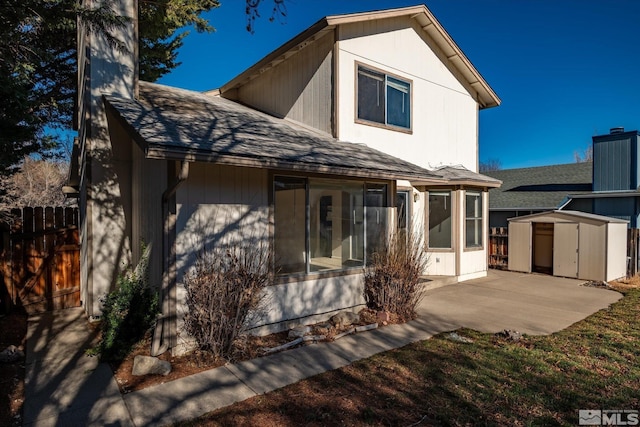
(543,187)
(174,123)
(460,174)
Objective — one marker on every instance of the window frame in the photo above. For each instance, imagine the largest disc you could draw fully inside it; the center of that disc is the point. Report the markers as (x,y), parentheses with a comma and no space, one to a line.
(385,125)
(307,271)
(477,220)
(453,215)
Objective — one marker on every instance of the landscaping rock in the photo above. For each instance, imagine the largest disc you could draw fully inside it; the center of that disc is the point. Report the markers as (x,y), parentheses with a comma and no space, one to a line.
(147,365)
(299,331)
(455,337)
(509,335)
(344,318)
(11,354)
(383,316)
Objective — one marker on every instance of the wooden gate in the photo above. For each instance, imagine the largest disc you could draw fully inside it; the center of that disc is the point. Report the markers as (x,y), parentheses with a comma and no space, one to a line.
(40,260)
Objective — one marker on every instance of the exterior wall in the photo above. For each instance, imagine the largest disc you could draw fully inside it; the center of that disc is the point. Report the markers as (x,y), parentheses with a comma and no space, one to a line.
(310,301)
(105,162)
(298,88)
(615,162)
(616,251)
(445,115)
(147,186)
(618,207)
(220,204)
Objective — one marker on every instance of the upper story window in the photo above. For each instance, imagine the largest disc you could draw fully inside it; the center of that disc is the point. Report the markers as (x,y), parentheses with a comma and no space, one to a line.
(383,99)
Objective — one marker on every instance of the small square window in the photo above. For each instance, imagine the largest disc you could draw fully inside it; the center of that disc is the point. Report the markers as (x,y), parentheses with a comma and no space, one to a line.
(383,99)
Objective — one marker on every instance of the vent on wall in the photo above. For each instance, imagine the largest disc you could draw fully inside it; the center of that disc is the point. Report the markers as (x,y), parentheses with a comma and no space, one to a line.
(616,130)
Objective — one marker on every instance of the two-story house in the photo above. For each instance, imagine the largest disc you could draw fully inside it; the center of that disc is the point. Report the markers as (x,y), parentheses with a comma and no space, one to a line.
(361,123)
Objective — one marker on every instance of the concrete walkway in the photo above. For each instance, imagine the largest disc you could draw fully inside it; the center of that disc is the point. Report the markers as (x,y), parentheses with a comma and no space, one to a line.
(64,387)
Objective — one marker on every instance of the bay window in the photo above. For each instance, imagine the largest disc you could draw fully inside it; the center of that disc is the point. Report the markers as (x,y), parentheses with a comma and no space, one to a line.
(440,220)
(473,219)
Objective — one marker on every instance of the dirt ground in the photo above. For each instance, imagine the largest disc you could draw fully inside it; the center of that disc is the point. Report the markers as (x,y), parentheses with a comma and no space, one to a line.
(13,331)
(198,361)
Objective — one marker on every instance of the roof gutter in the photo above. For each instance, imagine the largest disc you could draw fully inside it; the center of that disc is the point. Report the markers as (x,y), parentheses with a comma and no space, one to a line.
(164,334)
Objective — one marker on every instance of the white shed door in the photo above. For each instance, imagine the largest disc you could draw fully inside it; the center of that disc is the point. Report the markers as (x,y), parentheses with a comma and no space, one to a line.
(520,246)
(565,250)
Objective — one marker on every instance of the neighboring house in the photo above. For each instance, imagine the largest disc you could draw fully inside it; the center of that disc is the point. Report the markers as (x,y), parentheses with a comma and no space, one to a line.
(360,124)
(616,178)
(608,186)
(527,191)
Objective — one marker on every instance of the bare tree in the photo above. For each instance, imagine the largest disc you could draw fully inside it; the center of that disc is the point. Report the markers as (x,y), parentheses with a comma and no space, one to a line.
(490,165)
(585,156)
(37,183)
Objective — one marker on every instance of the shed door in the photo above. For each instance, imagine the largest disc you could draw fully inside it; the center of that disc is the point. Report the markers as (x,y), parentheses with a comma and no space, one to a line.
(520,246)
(565,249)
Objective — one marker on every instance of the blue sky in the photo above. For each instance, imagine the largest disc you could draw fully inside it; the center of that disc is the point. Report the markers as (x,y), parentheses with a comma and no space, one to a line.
(565,69)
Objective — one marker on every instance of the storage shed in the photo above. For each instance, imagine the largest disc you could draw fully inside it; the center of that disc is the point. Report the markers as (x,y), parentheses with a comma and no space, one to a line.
(569,244)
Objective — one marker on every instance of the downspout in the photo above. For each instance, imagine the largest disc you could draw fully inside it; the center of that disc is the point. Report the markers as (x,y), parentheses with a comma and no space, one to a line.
(165,326)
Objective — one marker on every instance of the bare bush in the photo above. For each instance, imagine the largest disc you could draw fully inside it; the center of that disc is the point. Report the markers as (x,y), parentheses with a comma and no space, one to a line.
(225,295)
(392,275)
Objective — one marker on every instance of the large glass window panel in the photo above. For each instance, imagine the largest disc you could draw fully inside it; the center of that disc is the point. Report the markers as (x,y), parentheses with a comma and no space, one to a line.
(290,224)
(383,99)
(440,219)
(473,219)
(398,103)
(376,216)
(371,94)
(336,231)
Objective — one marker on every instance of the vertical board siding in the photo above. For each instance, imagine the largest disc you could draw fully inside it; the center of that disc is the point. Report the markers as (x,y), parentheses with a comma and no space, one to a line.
(298,88)
(612,165)
(149,180)
(40,260)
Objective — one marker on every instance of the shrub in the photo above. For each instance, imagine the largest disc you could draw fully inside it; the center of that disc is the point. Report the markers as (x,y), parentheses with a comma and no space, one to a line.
(128,312)
(225,294)
(392,275)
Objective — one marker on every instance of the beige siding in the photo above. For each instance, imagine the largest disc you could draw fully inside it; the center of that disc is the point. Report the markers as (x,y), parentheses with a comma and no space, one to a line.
(298,88)
(616,251)
(520,246)
(149,180)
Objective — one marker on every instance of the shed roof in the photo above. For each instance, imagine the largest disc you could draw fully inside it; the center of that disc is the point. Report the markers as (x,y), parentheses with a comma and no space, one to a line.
(172,123)
(569,214)
(542,187)
(430,25)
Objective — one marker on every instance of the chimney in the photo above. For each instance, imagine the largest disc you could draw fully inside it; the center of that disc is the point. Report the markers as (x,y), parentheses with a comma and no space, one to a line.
(616,130)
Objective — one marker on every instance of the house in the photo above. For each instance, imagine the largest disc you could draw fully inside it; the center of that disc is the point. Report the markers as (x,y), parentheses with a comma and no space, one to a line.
(616,178)
(361,123)
(532,190)
(608,186)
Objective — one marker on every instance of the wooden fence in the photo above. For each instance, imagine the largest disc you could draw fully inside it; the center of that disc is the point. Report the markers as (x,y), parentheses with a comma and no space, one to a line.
(40,260)
(633,261)
(499,249)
